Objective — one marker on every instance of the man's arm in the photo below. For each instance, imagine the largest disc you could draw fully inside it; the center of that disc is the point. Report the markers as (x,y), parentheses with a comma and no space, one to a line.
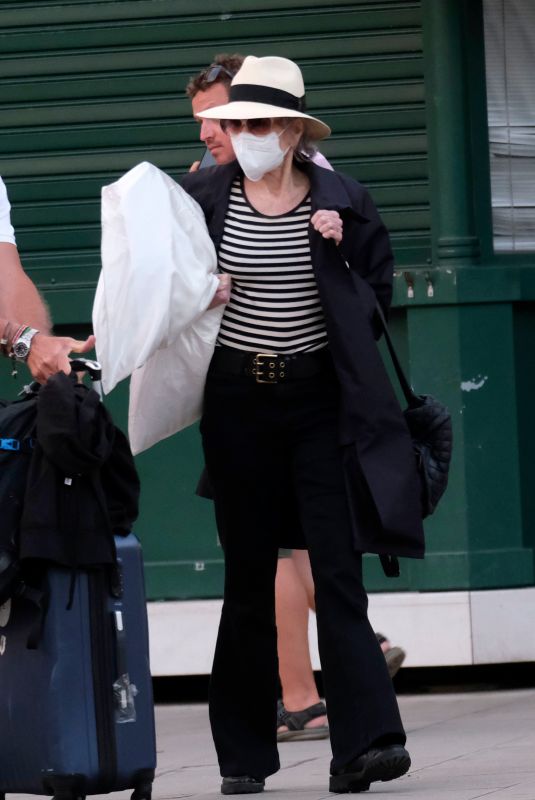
(19,297)
(21,306)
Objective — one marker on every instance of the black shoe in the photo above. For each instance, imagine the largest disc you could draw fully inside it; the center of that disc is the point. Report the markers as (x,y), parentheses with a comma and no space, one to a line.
(243,784)
(378,764)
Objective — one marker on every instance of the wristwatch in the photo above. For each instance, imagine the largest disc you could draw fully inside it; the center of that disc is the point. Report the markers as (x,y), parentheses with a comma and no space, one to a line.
(20,349)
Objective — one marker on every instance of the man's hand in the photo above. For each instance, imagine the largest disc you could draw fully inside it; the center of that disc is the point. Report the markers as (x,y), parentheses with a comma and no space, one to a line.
(195,166)
(50,354)
(222,295)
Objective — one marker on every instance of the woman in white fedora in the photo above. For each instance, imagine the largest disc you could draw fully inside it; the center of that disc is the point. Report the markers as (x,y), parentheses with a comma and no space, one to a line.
(301,430)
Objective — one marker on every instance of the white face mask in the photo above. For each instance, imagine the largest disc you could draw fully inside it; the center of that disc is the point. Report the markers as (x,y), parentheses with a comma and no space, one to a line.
(258,154)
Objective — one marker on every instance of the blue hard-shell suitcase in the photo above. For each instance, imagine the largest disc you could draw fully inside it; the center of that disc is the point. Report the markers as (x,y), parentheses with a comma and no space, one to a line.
(76,713)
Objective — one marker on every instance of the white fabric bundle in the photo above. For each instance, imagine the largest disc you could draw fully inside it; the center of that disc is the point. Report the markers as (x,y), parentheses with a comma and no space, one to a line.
(150,313)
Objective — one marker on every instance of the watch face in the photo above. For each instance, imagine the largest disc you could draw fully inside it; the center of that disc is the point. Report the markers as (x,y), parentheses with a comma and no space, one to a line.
(20,349)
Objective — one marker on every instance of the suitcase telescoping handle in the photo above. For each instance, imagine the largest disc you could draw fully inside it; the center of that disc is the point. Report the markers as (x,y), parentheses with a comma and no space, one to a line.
(93,369)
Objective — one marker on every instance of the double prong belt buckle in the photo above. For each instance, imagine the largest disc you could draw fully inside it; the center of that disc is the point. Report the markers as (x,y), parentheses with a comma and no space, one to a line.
(268,368)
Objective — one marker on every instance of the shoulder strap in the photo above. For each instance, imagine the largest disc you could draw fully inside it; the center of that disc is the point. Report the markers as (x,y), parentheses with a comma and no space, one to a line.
(411,398)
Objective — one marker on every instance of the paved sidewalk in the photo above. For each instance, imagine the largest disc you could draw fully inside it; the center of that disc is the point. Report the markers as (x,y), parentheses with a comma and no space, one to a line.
(463,747)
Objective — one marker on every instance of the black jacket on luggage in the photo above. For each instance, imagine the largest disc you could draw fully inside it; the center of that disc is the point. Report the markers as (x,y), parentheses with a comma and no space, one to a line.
(82,484)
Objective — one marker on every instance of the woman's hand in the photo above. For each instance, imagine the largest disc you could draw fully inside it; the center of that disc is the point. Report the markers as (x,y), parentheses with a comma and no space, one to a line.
(329,224)
(222,294)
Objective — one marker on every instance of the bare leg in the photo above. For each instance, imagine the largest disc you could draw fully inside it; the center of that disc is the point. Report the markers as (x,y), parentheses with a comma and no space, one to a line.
(301,562)
(295,668)
(394,655)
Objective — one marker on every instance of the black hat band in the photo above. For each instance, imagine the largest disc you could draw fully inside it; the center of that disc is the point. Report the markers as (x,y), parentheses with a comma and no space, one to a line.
(252,93)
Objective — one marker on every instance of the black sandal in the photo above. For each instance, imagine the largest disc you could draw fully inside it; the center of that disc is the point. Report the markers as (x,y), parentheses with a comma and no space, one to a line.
(296,721)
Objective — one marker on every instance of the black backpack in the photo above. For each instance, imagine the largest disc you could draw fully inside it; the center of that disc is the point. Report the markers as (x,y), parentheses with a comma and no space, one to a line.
(17,436)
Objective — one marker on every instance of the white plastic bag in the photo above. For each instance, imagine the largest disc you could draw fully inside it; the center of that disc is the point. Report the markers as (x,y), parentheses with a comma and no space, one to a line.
(175,376)
(149,315)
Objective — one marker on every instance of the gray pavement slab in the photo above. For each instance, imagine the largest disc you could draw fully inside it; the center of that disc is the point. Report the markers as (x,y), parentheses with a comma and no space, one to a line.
(463,747)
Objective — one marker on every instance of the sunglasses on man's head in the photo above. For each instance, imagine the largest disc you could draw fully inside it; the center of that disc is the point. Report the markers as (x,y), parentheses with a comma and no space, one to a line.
(259,126)
(213,72)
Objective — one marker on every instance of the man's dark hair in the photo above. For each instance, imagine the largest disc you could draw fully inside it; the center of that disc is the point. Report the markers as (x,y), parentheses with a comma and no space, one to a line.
(228,64)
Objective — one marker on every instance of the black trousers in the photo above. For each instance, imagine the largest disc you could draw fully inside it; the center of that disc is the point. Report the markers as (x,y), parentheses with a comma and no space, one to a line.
(261,441)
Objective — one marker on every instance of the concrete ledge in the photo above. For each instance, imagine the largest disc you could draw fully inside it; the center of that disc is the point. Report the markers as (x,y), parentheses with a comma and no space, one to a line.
(435,629)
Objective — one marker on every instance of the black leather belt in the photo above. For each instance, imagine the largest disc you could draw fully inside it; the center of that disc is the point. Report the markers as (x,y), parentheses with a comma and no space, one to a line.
(270,368)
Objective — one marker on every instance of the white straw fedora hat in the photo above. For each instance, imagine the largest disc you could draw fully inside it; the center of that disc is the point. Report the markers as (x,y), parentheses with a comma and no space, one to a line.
(268,87)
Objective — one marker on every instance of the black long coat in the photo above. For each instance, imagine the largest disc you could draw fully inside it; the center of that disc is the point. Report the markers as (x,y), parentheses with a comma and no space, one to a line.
(381,477)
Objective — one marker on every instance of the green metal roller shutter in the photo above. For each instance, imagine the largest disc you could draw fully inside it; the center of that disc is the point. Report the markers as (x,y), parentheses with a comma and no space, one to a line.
(89,89)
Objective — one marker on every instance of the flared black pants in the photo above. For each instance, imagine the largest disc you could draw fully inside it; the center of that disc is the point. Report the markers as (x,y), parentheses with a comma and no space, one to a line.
(260,441)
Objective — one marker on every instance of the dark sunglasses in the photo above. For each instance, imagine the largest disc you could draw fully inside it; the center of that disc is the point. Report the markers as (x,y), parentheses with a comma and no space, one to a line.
(259,126)
(213,72)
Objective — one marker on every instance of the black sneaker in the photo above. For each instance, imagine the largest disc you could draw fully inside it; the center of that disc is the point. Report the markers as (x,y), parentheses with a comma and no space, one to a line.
(243,784)
(378,764)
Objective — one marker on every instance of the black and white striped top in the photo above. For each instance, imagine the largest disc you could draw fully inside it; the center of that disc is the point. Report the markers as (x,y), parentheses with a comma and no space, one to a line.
(274,305)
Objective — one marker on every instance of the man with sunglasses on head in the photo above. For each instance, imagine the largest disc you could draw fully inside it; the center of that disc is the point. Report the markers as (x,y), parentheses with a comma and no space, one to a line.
(208,89)
(24,320)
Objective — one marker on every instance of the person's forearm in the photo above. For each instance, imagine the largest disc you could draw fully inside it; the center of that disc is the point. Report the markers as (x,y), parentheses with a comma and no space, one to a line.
(20,302)
(22,307)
